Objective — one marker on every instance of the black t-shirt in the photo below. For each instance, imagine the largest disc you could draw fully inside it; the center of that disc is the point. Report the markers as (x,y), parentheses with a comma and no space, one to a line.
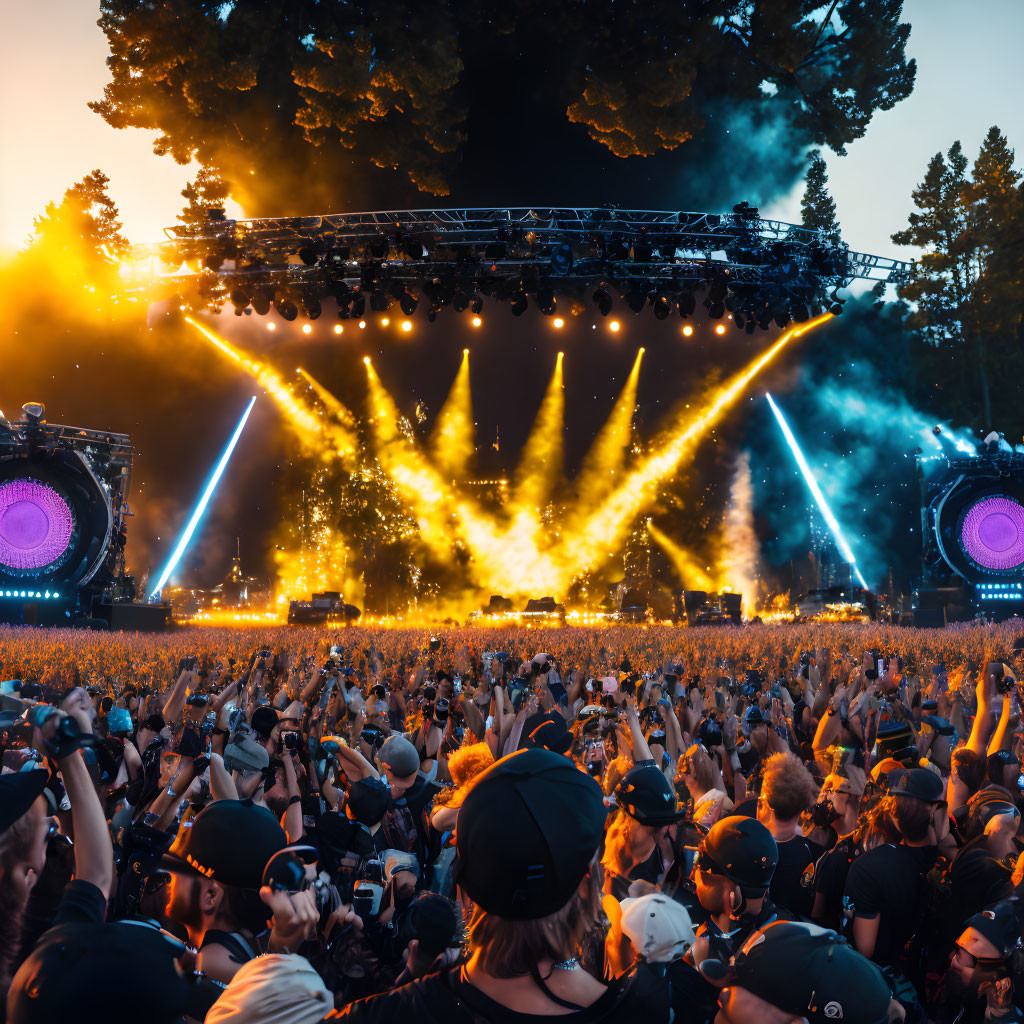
(448,998)
(82,903)
(830,874)
(888,882)
(976,880)
(792,884)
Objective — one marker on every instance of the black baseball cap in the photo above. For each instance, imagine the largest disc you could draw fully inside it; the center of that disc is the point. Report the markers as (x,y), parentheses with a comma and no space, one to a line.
(807,971)
(920,783)
(551,734)
(742,850)
(155,723)
(229,841)
(999,924)
(545,818)
(368,800)
(648,797)
(133,965)
(18,792)
(430,919)
(263,720)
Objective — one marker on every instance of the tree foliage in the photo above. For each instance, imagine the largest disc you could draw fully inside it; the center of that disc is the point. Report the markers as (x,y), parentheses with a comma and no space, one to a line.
(296,98)
(966,292)
(818,208)
(86,217)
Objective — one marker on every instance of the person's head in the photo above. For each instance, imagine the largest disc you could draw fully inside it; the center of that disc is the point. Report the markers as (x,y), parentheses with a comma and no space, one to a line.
(401,763)
(217,862)
(659,929)
(536,900)
(468,762)
(920,807)
(789,970)
(984,949)
(755,728)
(787,790)
(967,774)
(734,865)
(429,926)
(1003,769)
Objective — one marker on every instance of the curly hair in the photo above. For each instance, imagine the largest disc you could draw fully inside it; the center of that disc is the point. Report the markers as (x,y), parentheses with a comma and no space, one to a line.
(464,765)
(787,786)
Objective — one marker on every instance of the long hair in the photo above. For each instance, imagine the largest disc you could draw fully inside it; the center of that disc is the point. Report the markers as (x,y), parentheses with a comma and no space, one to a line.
(512,949)
(15,846)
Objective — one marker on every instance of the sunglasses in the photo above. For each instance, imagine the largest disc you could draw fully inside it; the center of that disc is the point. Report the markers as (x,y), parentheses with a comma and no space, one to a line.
(965,958)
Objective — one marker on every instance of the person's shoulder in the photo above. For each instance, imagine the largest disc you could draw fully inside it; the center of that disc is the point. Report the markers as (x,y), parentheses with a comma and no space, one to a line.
(427,999)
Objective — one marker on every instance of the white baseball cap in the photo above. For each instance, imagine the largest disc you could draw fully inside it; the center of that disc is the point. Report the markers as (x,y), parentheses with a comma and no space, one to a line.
(659,928)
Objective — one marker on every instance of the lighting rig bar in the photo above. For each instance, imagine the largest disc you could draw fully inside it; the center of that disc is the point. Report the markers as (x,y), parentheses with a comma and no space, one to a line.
(750,264)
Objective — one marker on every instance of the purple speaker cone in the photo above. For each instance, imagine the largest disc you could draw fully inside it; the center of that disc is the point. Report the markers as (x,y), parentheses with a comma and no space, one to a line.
(35,524)
(993,533)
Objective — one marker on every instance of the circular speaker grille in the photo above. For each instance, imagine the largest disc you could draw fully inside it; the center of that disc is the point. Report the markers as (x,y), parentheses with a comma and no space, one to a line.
(993,533)
(36,524)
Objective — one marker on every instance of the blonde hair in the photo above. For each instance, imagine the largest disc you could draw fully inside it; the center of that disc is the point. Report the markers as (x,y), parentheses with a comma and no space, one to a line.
(464,766)
(618,843)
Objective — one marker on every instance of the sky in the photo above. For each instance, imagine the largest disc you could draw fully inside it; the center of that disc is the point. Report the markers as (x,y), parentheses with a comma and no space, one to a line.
(52,55)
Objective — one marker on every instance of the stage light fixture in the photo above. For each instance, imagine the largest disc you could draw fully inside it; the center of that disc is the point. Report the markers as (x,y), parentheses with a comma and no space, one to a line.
(477,321)
(686,303)
(287,310)
(461,300)
(687,330)
(558,322)
(636,299)
(338,329)
(359,305)
(716,310)
(271,326)
(477,304)
(261,302)
(408,303)
(613,326)
(603,299)
(362,324)
(662,306)
(384,321)
(407,325)
(546,302)
(307,328)
(379,301)
(518,303)
(719,329)
(431,316)
(239,300)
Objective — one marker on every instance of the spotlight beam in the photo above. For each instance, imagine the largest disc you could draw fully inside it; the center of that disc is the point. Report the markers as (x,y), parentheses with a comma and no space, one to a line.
(204,500)
(453,440)
(311,428)
(816,492)
(606,528)
(688,571)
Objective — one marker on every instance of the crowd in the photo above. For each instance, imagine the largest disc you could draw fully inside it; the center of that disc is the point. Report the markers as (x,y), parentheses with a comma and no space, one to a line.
(656,824)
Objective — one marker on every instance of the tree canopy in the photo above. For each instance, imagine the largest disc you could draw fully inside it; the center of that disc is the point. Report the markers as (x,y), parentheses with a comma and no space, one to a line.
(293,102)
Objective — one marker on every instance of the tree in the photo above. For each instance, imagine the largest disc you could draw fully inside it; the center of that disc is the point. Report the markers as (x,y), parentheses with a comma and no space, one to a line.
(966,285)
(86,216)
(818,208)
(208,192)
(295,103)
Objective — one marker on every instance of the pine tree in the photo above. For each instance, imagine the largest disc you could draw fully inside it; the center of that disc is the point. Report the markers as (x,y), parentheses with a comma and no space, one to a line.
(818,208)
(207,192)
(86,215)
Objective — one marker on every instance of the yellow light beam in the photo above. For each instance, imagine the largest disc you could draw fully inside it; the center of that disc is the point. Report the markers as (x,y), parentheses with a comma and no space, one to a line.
(313,430)
(691,574)
(419,484)
(338,409)
(607,527)
(541,461)
(453,440)
(603,463)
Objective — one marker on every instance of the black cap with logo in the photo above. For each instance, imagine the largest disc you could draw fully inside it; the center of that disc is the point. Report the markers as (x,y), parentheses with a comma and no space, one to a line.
(647,796)
(229,841)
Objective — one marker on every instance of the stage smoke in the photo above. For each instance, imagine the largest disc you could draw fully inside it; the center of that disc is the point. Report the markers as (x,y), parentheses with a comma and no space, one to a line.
(740,547)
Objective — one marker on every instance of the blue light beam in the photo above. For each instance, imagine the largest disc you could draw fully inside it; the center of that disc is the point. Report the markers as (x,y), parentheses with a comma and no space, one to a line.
(200,508)
(819,497)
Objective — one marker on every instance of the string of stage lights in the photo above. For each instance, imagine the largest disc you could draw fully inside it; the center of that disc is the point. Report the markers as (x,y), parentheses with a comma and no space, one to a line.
(833,524)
